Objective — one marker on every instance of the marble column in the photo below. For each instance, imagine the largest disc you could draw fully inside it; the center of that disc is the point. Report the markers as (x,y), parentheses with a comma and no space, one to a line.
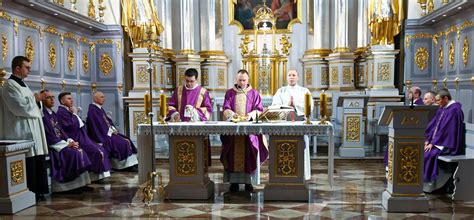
(316,68)
(165,13)
(187,57)
(341,60)
(362,42)
(214,66)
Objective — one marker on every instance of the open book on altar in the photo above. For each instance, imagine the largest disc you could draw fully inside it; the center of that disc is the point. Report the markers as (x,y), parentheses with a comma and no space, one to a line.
(276,113)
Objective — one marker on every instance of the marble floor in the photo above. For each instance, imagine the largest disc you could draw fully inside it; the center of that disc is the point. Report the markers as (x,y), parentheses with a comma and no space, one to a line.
(356,195)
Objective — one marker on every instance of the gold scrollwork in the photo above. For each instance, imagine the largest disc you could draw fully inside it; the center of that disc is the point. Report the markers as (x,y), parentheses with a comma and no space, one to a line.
(451,53)
(85,62)
(285,44)
(205,77)
(106,64)
(334,76)
(408,38)
(69,35)
(52,56)
(465,51)
(287,158)
(16,172)
(70,59)
(440,56)
(353,128)
(383,72)
(346,75)
(29,23)
(221,77)
(421,58)
(52,30)
(4,47)
(325,76)
(142,73)
(15,26)
(244,45)
(408,165)
(5,16)
(139,117)
(390,162)
(308,77)
(185,158)
(105,41)
(410,121)
(30,49)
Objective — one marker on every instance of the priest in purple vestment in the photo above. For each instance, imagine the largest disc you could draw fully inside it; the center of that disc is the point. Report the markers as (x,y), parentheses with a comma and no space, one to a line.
(190,102)
(242,155)
(415,96)
(102,130)
(429,98)
(74,128)
(69,162)
(445,135)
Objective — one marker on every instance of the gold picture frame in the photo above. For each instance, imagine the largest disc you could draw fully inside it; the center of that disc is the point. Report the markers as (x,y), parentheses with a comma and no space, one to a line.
(283,27)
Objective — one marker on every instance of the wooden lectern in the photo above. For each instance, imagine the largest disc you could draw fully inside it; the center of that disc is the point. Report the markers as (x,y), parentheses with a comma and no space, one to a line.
(353,137)
(406,139)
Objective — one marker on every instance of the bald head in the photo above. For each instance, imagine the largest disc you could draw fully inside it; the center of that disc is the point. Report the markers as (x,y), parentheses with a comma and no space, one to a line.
(292,77)
(99,98)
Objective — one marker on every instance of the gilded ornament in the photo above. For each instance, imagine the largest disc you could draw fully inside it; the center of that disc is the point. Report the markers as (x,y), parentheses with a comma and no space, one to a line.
(287,157)
(5,16)
(361,74)
(41,33)
(185,158)
(105,63)
(465,51)
(3,73)
(408,165)
(181,75)
(43,83)
(408,38)
(142,73)
(421,58)
(69,35)
(410,121)
(4,47)
(334,76)
(63,85)
(78,86)
(15,26)
(30,49)
(353,128)
(451,53)
(285,44)
(440,56)
(52,30)
(325,76)
(385,19)
(62,39)
(83,40)
(105,41)
(244,45)
(162,74)
(205,77)
(466,24)
(85,62)
(120,87)
(119,46)
(390,162)
(29,23)
(221,77)
(94,87)
(139,117)
(383,72)
(52,56)
(308,77)
(91,10)
(346,75)
(169,76)
(435,83)
(59,2)
(16,173)
(92,47)
(445,82)
(70,59)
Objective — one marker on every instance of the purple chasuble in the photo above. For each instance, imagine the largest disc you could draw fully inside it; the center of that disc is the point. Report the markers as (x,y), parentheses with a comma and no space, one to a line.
(231,156)
(69,163)
(97,154)
(118,145)
(197,97)
(419,101)
(446,129)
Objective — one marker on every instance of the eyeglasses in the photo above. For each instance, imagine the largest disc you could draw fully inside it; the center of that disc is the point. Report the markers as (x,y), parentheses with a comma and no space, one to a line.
(190,81)
(49,97)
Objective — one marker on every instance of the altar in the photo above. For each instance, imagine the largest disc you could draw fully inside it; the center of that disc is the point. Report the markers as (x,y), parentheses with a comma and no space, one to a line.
(188,161)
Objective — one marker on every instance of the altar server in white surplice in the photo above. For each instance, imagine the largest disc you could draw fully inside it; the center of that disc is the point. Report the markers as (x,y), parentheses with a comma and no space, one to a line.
(293,95)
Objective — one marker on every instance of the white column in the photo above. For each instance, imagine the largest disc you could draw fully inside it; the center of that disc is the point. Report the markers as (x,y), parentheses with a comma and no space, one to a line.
(164,12)
(362,23)
(341,20)
(321,24)
(187,17)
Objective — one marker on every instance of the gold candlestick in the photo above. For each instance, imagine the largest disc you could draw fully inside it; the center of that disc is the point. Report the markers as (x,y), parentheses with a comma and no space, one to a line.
(163,109)
(307,108)
(323,107)
(147,102)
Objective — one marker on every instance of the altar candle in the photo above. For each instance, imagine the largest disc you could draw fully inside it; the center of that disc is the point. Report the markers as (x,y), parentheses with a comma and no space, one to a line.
(147,102)
(307,104)
(323,104)
(163,110)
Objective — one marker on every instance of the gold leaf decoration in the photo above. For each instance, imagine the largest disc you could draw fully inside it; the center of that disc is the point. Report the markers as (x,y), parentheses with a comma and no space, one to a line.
(440,56)
(346,75)
(69,35)
(16,173)
(105,64)
(52,56)
(4,47)
(185,158)
(421,58)
(353,129)
(29,23)
(334,76)
(52,30)
(308,77)
(85,62)
(465,51)
(325,76)
(70,59)
(5,16)
(383,71)
(221,77)
(30,49)
(451,53)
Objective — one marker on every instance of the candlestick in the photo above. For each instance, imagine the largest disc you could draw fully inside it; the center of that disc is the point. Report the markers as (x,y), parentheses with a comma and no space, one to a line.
(307,107)
(323,107)
(163,110)
(147,101)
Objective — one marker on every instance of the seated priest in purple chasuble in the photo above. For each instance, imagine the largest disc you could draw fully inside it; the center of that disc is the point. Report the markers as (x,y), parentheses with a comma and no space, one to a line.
(242,154)
(445,135)
(190,102)
(415,96)
(75,128)
(69,162)
(101,129)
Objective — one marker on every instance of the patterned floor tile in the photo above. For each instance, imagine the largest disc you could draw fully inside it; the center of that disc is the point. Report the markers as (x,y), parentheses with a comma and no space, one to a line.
(233,213)
(75,212)
(182,213)
(285,213)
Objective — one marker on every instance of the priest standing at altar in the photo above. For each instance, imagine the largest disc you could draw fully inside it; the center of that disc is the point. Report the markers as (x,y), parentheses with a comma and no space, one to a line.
(189,102)
(293,95)
(242,155)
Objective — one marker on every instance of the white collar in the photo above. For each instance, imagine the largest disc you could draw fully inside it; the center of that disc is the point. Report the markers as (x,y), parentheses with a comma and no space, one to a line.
(450,103)
(197,84)
(61,105)
(99,106)
(50,111)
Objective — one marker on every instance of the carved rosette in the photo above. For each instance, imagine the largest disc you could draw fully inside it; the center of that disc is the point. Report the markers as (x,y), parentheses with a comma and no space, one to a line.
(440,57)
(390,162)
(346,75)
(16,173)
(465,51)
(383,72)
(205,77)
(105,64)
(308,77)
(421,58)
(334,78)
(52,56)
(287,157)
(221,77)
(70,59)
(325,76)
(142,73)
(30,49)
(353,129)
(451,54)
(85,62)
(185,158)
(408,165)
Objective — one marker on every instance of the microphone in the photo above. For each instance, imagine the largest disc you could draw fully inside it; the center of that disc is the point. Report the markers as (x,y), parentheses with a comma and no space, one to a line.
(242,90)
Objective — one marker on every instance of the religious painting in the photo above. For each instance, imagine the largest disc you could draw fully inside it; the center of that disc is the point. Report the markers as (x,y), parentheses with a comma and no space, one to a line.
(287,13)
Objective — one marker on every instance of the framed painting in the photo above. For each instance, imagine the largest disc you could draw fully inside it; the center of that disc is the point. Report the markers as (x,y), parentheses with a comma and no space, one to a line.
(287,13)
